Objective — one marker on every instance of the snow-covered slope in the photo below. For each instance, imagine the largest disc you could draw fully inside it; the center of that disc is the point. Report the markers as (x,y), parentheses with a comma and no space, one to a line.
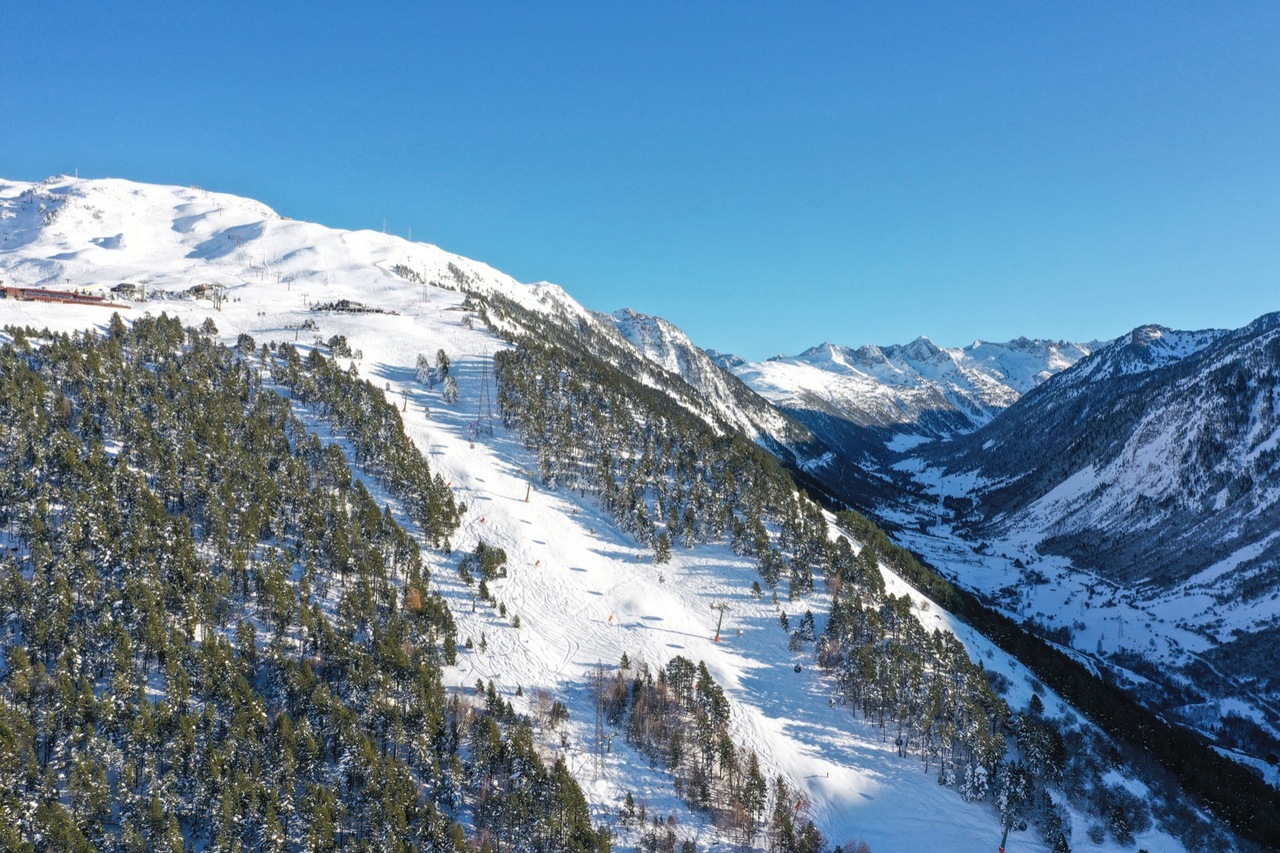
(583,589)
(94,235)
(1160,431)
(667,346)
(1146,348)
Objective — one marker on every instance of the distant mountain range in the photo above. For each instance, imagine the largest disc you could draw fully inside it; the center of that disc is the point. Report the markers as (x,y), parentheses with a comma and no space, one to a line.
(917,389)
(1151,461)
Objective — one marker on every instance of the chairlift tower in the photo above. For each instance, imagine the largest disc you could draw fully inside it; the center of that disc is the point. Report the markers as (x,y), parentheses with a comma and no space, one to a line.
(722,607)
(484,413)
(601,739)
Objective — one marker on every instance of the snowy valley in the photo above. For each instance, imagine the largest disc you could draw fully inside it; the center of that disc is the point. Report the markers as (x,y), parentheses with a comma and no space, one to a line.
(606,513)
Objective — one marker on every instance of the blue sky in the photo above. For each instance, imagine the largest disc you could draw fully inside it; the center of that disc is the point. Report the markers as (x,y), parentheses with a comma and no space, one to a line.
(767,176)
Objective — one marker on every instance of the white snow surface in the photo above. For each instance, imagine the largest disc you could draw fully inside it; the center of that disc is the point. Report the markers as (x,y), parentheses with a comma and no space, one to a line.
(1149,468)
(585,592)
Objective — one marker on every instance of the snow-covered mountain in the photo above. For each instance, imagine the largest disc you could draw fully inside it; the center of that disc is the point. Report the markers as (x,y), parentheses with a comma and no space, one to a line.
(1150,461)
(667,346)
(820,464)
(584,588)
(1153,467)
(871,404)
(95,235)
(100,234)
(905,392)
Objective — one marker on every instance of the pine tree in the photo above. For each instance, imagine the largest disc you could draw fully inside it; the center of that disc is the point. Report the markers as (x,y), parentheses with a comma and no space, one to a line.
(662,549)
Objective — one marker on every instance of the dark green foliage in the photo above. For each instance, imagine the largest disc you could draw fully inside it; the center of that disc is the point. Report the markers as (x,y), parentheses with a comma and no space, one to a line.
(662,549)
(339,346)
(666,476)
(488,561)
(668,468)
(213,631)
(920,687)
(516,792)
(374,428)
(680,718)
(806,630)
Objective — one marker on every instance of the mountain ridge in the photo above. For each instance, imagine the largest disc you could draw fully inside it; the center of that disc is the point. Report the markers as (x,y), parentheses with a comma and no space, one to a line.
(916,387)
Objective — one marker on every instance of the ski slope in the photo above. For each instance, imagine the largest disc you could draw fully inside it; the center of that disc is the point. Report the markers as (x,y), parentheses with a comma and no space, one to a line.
(585,592)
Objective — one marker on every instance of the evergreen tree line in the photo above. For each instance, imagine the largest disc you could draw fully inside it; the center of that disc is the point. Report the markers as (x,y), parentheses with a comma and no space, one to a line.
(925,694)
(520,803)
(375,431)
(679,718)
(214,635)
(664,475)
(568,332)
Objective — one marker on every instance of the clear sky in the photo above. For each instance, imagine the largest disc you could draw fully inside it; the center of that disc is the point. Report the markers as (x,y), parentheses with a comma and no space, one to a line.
(766,175)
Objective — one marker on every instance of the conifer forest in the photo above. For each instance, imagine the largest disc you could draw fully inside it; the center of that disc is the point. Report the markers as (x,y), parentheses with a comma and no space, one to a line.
(215,637)
(222,631)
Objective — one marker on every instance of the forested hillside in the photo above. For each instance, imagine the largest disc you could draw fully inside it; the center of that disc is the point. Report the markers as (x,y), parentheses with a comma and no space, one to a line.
(215,635)
(671,481)
(233,616)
